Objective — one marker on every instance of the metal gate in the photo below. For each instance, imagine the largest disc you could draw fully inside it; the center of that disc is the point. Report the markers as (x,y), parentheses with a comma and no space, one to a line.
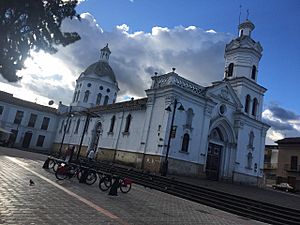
(213,161)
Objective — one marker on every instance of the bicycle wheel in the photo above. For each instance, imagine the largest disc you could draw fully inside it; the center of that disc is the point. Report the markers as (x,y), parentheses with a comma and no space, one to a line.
(55,166)
(105,183)
(91,178)
(78,174)
(125,186)
(51,163)
(61,173)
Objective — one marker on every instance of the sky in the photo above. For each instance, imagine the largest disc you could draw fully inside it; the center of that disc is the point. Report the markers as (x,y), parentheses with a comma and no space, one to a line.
(147,36)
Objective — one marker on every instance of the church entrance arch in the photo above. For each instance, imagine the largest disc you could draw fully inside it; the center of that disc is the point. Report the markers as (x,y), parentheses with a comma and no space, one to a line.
(96,135)
(220,150)
(214,154)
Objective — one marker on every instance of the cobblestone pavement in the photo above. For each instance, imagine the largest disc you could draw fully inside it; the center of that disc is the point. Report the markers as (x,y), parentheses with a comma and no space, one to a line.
(68,202)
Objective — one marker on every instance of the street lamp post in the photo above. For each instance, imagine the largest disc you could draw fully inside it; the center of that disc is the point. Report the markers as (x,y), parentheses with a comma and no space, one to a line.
(83,133)
(164,169)
(65,130)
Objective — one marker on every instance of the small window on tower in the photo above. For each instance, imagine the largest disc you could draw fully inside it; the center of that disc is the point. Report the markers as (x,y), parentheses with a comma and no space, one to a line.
(230,70)
(106,98)
(253,75)
(98,100)
(247,103)
(86,96)
(254,107)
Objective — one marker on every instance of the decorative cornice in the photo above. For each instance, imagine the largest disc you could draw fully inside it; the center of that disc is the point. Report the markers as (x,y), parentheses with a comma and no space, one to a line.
(173,79)
(139,104)
(244,42)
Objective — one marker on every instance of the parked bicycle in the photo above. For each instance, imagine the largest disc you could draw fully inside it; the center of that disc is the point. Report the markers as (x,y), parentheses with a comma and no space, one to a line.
(73,170)
(91,176)
(106,181)
(67,171)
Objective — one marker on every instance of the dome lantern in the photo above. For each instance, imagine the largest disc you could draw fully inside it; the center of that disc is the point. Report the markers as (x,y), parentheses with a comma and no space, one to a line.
(104,53)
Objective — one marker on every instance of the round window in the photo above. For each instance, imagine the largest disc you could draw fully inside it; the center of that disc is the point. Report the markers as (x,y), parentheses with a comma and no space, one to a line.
(89,84)
(108,90)
(222,109)
(101,88)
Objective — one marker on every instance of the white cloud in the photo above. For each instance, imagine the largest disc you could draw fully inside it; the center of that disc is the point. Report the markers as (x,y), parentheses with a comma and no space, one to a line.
(197,54)
(284,123)
(275,135)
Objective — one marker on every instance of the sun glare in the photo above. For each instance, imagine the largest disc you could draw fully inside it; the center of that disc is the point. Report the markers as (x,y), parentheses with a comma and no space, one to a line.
(43,64)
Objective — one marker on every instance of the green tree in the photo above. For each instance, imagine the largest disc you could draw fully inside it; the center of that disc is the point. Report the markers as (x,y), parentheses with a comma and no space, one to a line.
(27,25)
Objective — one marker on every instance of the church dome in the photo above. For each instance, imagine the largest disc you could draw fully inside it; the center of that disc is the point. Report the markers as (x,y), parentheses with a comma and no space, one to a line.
(101,68)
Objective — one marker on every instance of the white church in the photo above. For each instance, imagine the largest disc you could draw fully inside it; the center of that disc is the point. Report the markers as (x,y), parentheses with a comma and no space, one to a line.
(180,127)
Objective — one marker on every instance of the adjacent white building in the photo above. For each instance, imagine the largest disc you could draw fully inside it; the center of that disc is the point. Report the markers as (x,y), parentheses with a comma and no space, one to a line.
(31,126)
(214,131)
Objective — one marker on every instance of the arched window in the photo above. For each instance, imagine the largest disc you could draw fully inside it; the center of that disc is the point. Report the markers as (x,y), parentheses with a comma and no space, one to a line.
(98,100)
(249,160)
(247,103)
(77,126)
(69,125)
(86,96)
(253,75)
(105,100)
(251,139)
(77,96)
(61,126)
(230,70)
(185,142)
(254,107)
(216,134)
(127,125)
(112,123)
(189,118)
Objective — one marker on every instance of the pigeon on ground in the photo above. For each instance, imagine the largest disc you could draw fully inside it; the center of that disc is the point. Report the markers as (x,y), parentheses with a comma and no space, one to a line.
(31,183)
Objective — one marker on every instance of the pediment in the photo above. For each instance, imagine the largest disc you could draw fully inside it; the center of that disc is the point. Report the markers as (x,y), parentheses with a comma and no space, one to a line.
(223,91)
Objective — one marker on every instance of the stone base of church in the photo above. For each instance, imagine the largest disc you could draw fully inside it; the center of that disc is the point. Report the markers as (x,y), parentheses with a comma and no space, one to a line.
(56,146)
(137,160)
(246,179)
(105,154)
(150,163)
(184,168)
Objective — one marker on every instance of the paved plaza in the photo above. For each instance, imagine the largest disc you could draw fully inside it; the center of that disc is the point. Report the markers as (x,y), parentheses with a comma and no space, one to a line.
(50,201)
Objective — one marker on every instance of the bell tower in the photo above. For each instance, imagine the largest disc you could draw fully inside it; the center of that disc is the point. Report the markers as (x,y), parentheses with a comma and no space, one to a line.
(242,56)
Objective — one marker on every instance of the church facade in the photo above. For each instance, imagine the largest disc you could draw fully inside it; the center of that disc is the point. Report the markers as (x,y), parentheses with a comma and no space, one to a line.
(214,131)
